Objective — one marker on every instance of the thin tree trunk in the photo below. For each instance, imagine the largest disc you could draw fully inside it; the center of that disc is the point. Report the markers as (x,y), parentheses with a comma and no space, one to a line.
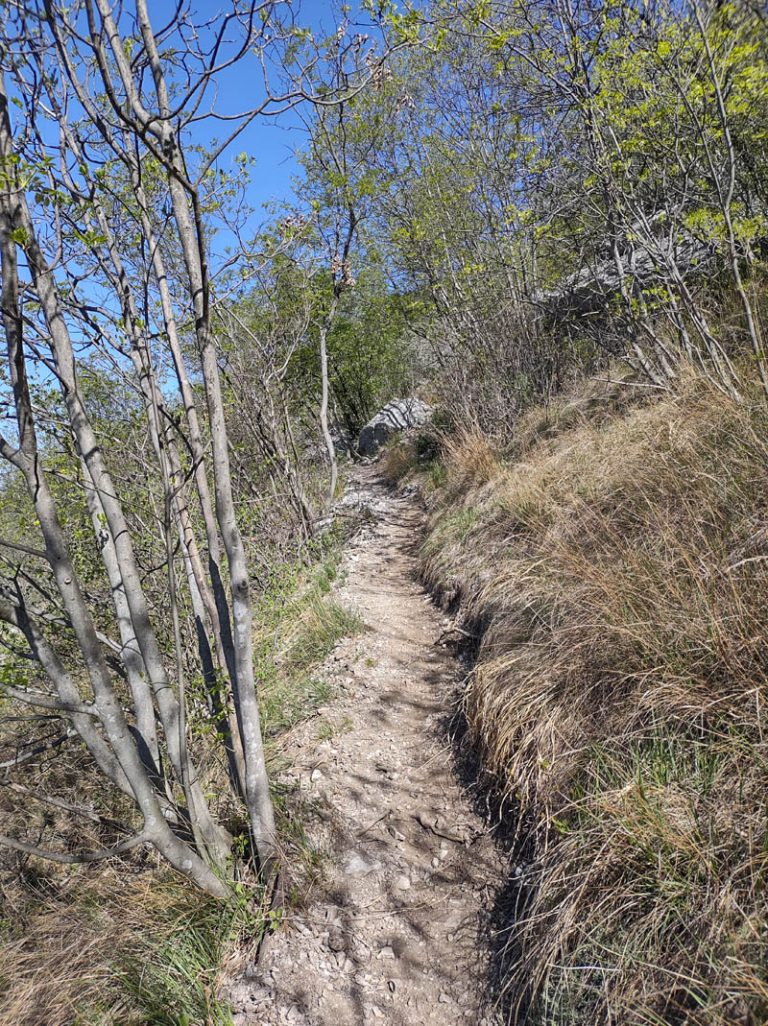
(192,238)
(327,438)
(26,459)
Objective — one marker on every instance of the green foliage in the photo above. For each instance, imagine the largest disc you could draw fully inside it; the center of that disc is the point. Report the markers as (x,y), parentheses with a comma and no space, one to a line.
(171,972)
(447,225)
(314,633)
(297,626)
(371,356)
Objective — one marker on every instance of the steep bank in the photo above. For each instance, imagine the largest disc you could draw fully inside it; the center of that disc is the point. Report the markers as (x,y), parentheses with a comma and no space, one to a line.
(395,927)
(612,560)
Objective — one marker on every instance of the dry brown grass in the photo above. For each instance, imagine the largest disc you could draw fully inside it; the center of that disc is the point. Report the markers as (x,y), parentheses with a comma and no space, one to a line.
(125,942)
(109,947)
(619,571)
(399,459)
(471,460)
(120,942)
(117,943)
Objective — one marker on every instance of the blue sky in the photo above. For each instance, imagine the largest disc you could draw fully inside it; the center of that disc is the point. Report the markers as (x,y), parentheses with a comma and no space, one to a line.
(271,140)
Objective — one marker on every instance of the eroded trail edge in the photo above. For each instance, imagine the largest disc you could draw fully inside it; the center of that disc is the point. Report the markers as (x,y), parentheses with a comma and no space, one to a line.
(396,929)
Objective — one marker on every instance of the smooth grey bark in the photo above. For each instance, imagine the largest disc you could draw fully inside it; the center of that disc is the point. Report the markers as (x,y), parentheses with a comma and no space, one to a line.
(69,700)
(130,653)
(212,597)
(188,220)
(164,445)
(14,218)
(327,437)
(115,522)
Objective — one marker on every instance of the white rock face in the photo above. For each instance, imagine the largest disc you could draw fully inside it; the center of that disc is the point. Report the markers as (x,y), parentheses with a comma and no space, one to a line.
(398,415)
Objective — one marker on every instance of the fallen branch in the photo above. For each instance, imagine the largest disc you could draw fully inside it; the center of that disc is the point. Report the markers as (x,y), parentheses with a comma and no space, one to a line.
(39,698)
(38,749)
(59,803)
(72,860)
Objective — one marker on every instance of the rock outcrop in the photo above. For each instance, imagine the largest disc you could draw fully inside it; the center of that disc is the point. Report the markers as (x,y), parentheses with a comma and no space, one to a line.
(398,415)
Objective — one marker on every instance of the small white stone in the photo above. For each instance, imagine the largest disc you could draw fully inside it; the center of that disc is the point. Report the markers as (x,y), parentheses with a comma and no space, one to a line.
(355,865)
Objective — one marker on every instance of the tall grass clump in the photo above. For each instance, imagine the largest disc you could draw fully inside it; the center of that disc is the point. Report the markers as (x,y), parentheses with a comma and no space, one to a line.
(109,948)
(617,571)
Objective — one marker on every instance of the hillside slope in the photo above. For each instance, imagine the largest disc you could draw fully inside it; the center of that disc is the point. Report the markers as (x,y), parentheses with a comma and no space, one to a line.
(612,562)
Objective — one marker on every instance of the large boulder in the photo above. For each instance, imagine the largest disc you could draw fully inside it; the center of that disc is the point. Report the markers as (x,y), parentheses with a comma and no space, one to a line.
(398,415)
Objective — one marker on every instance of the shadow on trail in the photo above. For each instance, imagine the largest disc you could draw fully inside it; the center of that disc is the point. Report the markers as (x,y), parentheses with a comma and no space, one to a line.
(406,905)
(498,811)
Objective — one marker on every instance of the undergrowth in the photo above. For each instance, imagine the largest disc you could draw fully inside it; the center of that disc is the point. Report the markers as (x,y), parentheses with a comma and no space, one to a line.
(106,948)
(125,943)
(298,623)
(613,558)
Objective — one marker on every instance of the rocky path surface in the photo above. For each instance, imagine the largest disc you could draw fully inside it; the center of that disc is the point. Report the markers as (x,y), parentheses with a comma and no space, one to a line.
(394,932)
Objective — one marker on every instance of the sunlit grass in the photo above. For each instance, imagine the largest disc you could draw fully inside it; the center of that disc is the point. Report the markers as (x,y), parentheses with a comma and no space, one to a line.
(614,560)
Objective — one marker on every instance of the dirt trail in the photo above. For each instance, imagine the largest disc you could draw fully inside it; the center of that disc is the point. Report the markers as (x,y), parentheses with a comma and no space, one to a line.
(395,931)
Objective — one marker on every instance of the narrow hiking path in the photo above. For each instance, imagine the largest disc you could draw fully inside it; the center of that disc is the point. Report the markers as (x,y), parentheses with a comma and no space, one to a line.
(395,930)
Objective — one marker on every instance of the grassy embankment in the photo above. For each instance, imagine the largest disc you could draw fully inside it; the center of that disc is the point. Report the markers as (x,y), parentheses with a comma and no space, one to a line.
(128,944)
(613,559)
